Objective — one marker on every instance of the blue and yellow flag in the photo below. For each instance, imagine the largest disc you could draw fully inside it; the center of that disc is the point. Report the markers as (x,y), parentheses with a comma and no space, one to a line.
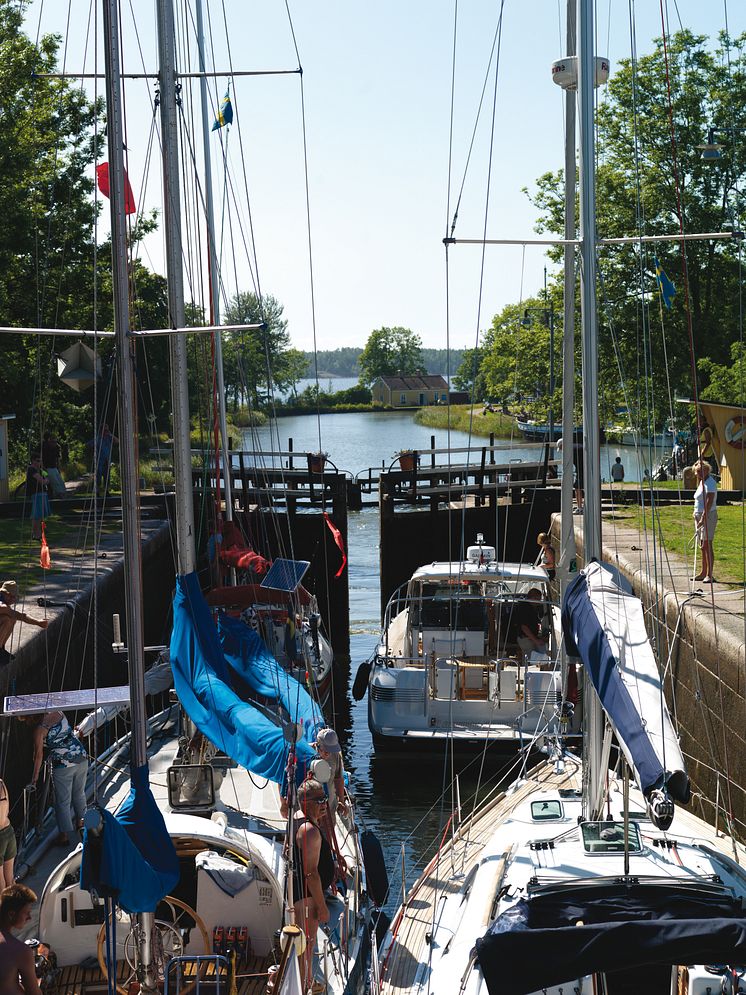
(667,289)
(225,114)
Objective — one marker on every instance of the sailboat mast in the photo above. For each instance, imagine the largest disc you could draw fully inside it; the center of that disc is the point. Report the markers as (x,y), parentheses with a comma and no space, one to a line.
(567,522)
(591,443)
(126,394)
(174,261)
(128,455)
(212,259)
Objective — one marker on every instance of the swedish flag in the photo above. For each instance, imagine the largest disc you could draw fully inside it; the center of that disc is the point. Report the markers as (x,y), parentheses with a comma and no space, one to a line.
(225,114)
(667,289)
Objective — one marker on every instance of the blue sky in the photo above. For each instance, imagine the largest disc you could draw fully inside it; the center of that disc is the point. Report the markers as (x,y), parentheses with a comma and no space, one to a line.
(377,81)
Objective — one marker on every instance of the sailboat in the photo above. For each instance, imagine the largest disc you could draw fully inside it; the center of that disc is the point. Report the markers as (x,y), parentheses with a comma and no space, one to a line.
(580,878)
(184,868)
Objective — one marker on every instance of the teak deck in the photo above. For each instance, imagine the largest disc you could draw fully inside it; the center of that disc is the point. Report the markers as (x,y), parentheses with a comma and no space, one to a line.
(410,947)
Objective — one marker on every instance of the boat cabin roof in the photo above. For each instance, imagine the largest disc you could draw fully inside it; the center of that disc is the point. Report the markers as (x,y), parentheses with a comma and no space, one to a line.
(494,570)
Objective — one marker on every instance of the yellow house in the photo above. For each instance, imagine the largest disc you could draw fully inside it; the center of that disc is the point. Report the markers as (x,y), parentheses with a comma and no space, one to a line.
(410,392)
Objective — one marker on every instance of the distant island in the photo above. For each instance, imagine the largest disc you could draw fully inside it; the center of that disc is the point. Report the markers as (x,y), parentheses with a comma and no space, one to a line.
(343,362)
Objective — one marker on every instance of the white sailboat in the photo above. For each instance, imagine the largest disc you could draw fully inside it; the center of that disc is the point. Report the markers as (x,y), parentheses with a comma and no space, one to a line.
(574,879)
(184,854)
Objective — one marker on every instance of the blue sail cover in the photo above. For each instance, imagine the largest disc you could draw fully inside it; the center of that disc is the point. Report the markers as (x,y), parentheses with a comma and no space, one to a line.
(203,683)
(605,627)
(133,860)
(246,653)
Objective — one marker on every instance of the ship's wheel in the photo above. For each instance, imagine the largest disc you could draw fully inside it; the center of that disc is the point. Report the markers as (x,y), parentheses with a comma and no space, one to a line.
(176,927)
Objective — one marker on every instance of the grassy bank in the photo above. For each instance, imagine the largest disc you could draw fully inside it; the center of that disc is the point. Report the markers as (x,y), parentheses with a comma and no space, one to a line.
(460,418)
(674,525)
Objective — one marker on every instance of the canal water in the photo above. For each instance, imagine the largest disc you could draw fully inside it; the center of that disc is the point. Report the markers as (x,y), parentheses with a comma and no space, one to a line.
(398,797)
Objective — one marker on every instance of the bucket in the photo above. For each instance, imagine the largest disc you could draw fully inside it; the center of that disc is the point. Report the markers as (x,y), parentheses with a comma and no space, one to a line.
(316,462)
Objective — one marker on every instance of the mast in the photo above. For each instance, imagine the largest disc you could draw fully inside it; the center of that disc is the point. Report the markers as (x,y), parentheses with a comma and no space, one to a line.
(567,562)
(127,399)
(212,258)
(591,447)
(186,555)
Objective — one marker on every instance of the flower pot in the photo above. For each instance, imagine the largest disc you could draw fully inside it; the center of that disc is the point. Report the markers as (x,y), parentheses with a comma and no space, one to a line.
(408,460)
(316,462)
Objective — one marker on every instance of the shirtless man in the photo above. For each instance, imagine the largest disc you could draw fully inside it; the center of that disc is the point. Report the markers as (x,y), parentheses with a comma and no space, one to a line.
(9,616)
(17,973)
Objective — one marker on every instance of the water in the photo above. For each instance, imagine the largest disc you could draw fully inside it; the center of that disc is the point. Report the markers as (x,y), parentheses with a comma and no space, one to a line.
(397,797)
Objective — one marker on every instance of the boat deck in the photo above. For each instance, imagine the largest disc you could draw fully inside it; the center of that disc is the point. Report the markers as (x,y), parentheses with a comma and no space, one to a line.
(409,951)
(251,979)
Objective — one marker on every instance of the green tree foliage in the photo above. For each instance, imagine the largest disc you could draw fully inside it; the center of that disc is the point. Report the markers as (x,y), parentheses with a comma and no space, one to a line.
(725,384)
(470,376)
(258,361)
(637,193)
(391,352)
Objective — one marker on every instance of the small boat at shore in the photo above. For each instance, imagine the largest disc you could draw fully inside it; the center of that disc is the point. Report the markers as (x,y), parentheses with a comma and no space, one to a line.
(453,663)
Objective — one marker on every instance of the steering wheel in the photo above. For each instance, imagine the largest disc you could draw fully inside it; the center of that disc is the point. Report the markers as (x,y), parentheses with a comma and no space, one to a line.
(171,935)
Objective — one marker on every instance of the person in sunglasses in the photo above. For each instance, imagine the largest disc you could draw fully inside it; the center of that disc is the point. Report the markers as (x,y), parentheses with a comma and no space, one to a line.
(313,870)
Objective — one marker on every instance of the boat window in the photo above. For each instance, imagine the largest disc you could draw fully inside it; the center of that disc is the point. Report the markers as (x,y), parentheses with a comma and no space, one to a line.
(608,837)
(546,811)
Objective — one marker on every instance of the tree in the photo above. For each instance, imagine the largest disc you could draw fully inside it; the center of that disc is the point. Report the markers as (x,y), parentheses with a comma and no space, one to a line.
(636,191)
(470,374)
(259,360)
(391,352)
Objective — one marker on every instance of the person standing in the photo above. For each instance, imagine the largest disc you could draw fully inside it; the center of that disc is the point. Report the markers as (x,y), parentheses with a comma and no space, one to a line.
(705,518)
(9,616)
(313,872)
(36,489)
(617,470)
(17,969)
(69,769)
(8,846)
(328,748)
(102,449)
(51,454)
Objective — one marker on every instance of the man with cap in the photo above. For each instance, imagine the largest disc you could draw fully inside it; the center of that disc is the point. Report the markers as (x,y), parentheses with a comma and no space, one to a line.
(328,748)
(9,616)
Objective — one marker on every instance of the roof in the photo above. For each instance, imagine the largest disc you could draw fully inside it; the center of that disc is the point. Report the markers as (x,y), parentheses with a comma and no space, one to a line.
(489,571)
(429,382)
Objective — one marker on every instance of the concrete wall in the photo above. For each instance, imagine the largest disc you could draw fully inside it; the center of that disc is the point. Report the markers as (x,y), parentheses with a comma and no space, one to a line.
(75,650)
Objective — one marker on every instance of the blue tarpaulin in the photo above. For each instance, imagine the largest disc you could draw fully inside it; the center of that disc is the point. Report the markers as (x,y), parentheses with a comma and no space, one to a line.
(246,653)
(133,860)
(202,681)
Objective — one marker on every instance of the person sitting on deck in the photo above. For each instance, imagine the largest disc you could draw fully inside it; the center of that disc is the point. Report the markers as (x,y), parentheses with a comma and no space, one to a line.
(17,971)
(530,638)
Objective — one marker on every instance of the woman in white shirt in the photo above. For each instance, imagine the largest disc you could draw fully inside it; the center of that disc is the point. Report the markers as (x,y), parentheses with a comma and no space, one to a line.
(705,517)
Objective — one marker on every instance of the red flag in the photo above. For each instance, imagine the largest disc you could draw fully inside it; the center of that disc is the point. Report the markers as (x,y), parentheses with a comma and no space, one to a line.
(102,176)
(45,560)
(339,541)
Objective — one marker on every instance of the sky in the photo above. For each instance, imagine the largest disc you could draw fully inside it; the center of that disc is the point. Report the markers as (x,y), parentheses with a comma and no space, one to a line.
(377,89)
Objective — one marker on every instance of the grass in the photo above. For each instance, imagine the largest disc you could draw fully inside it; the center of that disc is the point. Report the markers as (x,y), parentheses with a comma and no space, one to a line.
(675,525)
(460,418)
(19,553)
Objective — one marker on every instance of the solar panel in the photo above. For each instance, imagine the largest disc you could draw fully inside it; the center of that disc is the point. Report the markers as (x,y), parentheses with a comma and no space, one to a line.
(285,575)
(31,704)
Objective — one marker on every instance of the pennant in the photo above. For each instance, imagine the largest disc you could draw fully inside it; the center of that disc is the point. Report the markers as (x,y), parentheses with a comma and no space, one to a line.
(45,560)
(338,540)
(667,289)
(225,114)
(102,178)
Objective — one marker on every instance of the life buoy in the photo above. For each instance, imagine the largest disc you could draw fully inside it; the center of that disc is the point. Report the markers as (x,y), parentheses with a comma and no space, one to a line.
(360,684)
(735,432)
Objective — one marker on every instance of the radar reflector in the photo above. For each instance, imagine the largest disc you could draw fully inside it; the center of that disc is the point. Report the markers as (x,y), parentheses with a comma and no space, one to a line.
(285,575)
